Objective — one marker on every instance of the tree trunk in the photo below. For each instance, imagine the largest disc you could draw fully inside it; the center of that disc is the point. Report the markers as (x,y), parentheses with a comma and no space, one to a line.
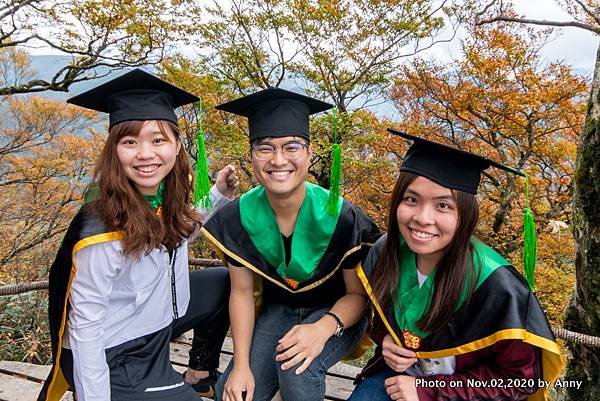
(583,311)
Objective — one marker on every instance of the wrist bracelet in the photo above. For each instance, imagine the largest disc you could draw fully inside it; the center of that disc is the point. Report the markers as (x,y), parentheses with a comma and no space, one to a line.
(340,326)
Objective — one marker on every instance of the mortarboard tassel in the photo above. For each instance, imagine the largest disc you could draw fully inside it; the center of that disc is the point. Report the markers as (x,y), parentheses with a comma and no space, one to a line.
(202,185)
(529,241)
(336,172)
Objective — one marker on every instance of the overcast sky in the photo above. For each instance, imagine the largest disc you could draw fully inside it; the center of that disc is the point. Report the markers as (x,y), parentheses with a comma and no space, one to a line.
(575,46)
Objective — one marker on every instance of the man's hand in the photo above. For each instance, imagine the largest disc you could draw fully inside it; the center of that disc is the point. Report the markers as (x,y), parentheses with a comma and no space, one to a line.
(396,357)
(402,388)
(303,343)
(227,181)
(239,381)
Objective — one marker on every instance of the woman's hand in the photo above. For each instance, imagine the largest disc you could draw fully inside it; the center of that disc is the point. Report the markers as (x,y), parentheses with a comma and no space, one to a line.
(227,181)
(396,357)
(240,381)
(402,388)
(304,342)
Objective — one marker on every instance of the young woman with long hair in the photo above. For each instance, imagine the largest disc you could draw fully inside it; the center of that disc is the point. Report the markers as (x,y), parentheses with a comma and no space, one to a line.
(453,319)
(120,289)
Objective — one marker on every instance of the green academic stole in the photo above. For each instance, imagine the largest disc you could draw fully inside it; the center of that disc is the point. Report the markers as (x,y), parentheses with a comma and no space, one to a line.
(158,199)
(312,232)
(412,302)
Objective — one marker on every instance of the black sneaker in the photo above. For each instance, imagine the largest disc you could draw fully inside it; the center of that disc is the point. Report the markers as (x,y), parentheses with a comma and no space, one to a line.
(206,387)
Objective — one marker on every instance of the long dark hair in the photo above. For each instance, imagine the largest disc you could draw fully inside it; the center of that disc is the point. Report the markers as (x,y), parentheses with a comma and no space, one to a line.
(124,208)
(452,269)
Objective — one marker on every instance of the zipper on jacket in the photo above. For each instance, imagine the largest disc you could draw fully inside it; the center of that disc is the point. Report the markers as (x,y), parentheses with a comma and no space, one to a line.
(172,259)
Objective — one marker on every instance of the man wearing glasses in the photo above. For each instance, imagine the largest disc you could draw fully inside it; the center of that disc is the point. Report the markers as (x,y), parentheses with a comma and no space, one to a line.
(280,242)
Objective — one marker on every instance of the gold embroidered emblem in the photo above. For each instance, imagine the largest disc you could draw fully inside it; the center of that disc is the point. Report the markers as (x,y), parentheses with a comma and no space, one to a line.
(411,340)
(159,211)
(291,282)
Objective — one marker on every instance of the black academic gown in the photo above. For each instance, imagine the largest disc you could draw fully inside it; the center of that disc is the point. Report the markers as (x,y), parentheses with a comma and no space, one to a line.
(353,235)
(501,308)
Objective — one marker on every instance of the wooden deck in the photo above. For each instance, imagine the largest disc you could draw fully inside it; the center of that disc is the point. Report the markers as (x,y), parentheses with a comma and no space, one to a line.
(22,381)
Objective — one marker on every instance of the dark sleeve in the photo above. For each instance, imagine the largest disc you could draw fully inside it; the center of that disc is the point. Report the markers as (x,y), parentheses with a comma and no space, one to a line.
(510,368)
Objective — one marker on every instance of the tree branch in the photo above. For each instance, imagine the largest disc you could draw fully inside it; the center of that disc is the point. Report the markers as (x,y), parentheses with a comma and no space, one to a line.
(574,24)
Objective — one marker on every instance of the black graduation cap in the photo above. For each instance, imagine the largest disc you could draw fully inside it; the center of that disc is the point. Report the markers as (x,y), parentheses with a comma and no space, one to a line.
(275,112)
(445,165)
(136,95)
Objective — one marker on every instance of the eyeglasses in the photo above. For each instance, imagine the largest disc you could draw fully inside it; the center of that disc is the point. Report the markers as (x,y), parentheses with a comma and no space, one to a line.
(290,150)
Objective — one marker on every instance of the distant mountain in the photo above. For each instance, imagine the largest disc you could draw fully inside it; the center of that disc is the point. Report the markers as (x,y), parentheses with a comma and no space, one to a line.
(47,65)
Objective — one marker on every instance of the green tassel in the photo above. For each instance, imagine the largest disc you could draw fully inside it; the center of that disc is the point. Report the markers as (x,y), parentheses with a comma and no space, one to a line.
(335,175)
(529,241)
(335,181)
(202,183)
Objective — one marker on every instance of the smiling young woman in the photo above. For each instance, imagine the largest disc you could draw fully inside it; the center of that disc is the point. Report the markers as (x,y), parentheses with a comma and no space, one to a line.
(150,155)
(119,287)
(427,218)
(132,147)
(449,309)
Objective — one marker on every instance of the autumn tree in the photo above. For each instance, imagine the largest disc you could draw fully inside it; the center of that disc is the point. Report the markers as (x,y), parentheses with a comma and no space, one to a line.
(99,35)
(583,312)
(341,51)
(352,49)
(45,163)
(46,154)
(499,100)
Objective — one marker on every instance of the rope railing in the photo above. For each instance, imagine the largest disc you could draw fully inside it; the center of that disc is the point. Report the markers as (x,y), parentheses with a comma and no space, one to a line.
(577,338)
(23,287)
(569,336)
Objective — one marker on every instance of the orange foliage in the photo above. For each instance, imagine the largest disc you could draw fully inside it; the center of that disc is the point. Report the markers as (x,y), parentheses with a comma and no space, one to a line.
(46,160)
(501,101)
